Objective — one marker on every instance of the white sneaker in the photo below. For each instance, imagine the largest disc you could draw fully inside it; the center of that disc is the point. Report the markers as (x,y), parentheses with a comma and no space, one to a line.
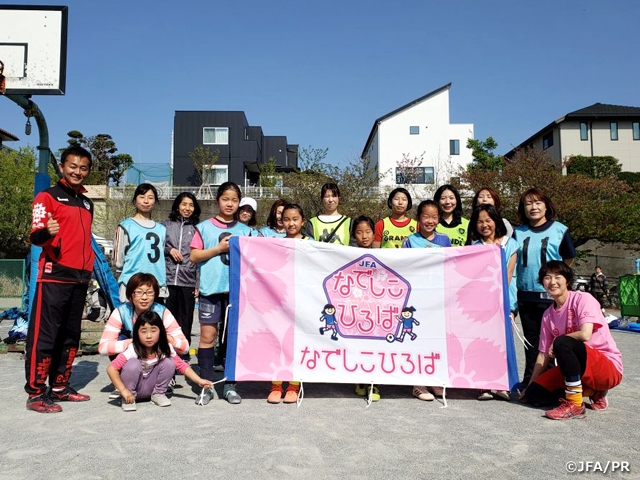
(160,399)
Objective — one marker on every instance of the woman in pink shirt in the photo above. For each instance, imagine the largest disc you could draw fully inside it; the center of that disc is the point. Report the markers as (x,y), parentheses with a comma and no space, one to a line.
(575,333)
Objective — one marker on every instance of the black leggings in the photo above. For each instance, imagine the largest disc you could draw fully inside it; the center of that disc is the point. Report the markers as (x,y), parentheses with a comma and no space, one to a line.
(571,357)
(531,320)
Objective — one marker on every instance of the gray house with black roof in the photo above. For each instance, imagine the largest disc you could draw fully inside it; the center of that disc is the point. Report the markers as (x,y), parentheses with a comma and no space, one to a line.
(597,130)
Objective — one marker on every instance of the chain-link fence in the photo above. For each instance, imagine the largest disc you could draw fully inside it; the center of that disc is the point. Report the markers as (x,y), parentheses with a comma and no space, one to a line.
(12,278)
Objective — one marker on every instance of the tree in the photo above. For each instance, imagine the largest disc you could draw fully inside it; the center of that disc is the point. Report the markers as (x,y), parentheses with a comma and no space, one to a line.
(408,172)
(107,216)
(592,208)
(358,183)
(202,157)
(632,179)
(594,167)
(107,166)
(483,156)
(268,174)
(17,173)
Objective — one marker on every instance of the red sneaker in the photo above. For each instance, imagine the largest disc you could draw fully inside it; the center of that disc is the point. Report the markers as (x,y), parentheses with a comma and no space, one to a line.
(43,404)
(291,394)
(68,395)
(566,411)
(599,400)
(275,395)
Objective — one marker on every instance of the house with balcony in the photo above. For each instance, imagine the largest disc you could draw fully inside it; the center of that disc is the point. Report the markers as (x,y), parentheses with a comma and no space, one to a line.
(242,149)
(593,131)
(417,146)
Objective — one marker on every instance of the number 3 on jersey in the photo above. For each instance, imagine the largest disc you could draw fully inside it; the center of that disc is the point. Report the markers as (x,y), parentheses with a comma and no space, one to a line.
(154,254)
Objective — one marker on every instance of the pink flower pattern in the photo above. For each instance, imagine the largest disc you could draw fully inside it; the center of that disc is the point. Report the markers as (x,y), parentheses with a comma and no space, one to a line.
(265,344)
(475,347)
(475,328)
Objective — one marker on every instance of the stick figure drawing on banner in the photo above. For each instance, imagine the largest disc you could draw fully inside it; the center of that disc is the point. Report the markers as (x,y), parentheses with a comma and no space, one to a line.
(328,316)
(407,321)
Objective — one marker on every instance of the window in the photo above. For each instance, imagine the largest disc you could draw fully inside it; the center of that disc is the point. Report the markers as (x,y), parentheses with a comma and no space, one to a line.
(454,147)
(547,140)
(215,136)
(414,130)
(423,175)
(636,130)
(613,130)
(215,174)
(584,131)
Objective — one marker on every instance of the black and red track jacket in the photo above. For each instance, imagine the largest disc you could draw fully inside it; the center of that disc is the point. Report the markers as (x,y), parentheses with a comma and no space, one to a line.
(67,257)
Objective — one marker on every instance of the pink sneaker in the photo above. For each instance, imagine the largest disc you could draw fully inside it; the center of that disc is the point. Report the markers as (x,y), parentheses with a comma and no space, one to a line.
(599,400)
(565,411)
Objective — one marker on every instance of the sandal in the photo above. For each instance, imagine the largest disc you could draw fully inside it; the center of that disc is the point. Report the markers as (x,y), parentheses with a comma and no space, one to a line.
(421,393)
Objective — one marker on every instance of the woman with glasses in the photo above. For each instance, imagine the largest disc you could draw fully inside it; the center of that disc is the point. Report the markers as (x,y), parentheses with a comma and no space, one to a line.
(142,291)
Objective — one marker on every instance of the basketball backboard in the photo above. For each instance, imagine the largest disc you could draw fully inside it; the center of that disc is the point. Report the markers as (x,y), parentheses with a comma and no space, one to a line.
(33,49)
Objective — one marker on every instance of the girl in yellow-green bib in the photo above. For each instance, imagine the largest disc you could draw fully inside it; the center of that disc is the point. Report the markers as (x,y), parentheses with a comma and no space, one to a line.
(452,224)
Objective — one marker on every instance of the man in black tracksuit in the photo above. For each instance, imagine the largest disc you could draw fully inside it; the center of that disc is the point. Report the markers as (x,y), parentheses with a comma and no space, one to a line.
(61,225)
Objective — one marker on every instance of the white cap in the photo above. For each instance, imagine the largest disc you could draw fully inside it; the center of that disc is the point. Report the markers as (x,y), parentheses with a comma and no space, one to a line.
(249,201)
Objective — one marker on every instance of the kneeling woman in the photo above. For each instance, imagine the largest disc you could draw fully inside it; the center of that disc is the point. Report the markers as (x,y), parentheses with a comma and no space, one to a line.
(141,291)
(575,333)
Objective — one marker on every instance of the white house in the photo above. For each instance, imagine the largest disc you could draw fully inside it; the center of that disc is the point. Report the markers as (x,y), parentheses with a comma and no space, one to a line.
(416,146)
(597,130)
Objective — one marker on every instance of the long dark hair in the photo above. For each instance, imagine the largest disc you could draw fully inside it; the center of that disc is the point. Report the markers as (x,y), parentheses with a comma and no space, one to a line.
(501,230)
(457,212)
(175,214)
(272,221)
(161,349)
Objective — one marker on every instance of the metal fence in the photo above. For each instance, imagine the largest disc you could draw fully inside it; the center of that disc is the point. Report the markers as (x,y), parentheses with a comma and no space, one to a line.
(203,192)
(12,283)
(208,192)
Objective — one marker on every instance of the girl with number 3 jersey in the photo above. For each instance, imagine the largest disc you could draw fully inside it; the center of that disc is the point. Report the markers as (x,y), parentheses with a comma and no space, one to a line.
(139,243)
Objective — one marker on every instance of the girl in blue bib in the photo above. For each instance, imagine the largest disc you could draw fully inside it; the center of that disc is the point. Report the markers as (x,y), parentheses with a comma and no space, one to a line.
(139,243)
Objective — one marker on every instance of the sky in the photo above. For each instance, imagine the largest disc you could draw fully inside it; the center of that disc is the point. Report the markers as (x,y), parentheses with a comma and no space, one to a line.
(320,73)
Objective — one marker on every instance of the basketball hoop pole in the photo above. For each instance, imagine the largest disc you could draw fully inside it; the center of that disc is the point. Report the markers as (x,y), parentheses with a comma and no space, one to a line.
(31,109)
(42,180)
